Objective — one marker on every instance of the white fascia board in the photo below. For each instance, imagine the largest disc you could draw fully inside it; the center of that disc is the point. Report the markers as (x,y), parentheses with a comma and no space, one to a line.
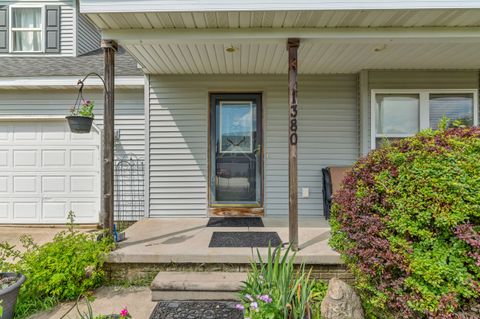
(70,81)
(135,6)
(278,35)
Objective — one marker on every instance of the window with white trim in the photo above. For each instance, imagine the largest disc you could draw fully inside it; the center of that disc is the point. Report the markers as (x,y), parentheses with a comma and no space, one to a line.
(401,113)
(26,29)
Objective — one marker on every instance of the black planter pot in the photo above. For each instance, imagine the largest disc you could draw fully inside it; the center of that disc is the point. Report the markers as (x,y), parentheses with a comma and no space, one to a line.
(8,296)
(79,124)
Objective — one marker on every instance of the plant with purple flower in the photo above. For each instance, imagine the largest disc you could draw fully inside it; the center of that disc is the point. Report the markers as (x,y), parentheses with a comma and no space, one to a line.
(265,298)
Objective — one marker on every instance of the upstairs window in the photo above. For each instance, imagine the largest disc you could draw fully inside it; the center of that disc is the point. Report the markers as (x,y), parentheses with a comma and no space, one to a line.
(26,29)
(401,113)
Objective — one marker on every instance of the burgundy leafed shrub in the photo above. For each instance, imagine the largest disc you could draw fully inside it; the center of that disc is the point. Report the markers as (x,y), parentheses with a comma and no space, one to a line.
(407,223)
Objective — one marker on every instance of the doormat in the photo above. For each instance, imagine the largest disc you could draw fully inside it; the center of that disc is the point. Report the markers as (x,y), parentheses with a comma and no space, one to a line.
(235,222)
(197,310)
(245,239)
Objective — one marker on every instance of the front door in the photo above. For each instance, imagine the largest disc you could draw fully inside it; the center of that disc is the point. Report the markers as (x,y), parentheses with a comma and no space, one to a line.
(236,155)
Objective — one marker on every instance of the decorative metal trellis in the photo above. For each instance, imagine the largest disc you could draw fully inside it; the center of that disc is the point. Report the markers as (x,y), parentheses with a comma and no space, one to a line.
(129,190)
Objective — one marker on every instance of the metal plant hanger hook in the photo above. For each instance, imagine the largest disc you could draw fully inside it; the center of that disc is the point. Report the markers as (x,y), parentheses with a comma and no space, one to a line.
(81,83)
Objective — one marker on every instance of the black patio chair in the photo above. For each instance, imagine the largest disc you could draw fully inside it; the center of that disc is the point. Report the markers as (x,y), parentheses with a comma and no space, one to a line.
(327,192)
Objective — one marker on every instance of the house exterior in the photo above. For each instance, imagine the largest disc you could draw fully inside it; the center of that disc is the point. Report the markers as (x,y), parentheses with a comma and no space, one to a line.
(45,48)
(220,118)
(219,115)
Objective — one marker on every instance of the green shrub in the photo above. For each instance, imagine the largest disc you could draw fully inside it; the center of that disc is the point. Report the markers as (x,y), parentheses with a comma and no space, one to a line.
(407,223)
(275,289)
(57,271)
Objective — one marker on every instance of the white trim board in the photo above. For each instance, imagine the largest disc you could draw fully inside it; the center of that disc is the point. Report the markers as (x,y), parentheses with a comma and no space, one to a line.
(123,6)
(71,81)
(278,35)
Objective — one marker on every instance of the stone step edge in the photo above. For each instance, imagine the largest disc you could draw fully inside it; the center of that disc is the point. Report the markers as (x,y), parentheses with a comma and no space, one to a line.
(198,281)
(158,295)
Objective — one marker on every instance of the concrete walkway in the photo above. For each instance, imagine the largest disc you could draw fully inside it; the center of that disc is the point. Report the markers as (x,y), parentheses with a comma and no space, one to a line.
(166,240)
(109,300)
(40,235)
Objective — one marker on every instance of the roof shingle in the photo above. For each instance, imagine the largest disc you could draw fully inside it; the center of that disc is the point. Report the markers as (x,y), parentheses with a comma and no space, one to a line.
(41,66)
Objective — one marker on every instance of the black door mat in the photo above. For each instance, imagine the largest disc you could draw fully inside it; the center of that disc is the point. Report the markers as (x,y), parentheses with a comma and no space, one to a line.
(196,310)
(245,239)
(235,222)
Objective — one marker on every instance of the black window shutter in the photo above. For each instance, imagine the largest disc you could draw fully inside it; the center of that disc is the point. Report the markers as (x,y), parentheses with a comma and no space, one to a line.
(3,29)
(52,29)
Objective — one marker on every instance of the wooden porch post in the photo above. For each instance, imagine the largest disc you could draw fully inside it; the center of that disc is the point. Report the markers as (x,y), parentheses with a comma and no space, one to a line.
(109,48)
(292,47)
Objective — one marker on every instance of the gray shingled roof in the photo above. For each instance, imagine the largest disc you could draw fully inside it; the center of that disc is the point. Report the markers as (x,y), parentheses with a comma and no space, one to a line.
(39,66)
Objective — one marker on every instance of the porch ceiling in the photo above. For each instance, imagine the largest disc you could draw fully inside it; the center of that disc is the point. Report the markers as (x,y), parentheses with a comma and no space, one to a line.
(332,41)
(314,57)
(289,19)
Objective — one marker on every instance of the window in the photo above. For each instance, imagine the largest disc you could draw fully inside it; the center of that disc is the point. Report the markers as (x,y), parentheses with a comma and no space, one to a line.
(401,113)
(456,107)
(26,29)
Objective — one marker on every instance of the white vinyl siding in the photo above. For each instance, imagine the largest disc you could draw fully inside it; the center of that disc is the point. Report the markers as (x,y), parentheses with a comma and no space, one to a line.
(129,111)
(328,135)
(88,37)
(67,23)
(419,80)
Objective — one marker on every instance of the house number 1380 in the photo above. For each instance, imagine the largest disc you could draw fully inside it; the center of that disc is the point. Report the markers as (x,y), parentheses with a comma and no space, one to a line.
(293,125)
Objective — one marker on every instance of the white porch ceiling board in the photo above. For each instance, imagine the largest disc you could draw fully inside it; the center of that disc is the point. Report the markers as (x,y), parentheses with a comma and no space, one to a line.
(291,19)
(315,57)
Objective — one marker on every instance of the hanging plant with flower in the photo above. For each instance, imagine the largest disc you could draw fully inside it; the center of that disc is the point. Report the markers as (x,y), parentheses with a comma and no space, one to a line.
(81,115)
(85,109)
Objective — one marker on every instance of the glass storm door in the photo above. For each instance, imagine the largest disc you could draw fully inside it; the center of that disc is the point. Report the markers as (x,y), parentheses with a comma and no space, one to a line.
(235,150)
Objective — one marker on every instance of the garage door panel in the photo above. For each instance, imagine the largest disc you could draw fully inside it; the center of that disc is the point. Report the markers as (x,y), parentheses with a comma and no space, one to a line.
(22,158)
(4,210)
(5,133)
(84,137)
(54,210)
(4,189)
(83,208)
(54,132)
(82,158)
(4,155)
(55,158)
(54,184)
(45,171)
(25,184)
(26,211)
(82,184)
(25,131)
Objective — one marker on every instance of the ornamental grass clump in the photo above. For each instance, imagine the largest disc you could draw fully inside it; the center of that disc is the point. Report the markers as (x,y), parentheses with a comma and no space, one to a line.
(407,223)
(276,289)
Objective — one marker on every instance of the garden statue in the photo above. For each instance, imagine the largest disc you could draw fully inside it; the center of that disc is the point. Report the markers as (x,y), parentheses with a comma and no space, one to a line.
(341,302)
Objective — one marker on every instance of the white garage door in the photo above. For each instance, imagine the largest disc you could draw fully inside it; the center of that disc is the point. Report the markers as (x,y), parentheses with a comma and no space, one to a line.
(45,171)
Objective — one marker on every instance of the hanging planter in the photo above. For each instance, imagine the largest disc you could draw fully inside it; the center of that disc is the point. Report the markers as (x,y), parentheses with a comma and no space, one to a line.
(81,115)
(81,118)
(79,124)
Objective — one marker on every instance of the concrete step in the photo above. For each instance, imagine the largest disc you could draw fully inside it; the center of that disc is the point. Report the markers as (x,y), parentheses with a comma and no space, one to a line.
(197,286)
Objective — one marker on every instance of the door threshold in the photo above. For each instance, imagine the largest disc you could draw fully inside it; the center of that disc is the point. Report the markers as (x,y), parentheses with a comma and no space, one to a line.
(236,212)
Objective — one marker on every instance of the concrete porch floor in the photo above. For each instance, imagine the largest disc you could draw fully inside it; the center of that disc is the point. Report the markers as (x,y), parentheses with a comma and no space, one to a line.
(185,240)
